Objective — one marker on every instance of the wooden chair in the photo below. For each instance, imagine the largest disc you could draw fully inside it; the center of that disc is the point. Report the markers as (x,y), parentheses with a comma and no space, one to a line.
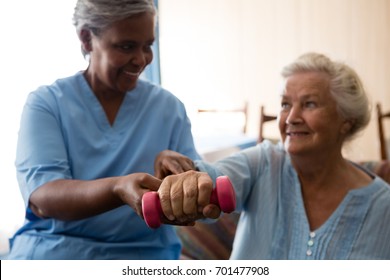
(382,139)
(263,119)
(243,111)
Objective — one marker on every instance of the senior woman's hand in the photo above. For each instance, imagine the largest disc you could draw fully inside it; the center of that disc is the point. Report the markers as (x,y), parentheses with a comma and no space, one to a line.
(185,197)
(169,162)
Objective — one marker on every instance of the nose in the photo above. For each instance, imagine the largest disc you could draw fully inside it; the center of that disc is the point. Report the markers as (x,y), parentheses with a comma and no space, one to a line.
(294,115)
(138,58)
(141,58)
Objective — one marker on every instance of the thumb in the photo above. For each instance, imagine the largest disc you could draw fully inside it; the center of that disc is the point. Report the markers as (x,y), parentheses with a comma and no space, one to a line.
(211,211)
(150,182)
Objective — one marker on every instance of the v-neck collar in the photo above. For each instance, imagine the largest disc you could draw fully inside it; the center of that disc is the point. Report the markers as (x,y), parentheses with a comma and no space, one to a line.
(360,192)
(126,110)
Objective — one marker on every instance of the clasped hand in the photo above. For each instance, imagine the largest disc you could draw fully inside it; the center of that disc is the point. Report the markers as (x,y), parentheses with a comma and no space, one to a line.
(184,193)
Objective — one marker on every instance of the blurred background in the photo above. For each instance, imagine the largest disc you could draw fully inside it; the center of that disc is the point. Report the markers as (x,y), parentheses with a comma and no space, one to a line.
(212,54)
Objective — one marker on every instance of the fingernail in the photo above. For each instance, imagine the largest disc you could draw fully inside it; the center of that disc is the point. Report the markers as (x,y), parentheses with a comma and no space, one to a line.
(171,217)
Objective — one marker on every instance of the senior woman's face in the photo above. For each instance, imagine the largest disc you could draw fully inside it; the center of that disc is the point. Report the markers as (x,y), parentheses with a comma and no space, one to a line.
(120,53)
(309,121)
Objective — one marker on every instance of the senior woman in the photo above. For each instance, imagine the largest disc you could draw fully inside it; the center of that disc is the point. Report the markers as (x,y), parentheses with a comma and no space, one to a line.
(301,199)
(88,142)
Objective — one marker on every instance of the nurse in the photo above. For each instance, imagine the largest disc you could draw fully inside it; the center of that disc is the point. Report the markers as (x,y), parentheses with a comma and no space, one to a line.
(87,145)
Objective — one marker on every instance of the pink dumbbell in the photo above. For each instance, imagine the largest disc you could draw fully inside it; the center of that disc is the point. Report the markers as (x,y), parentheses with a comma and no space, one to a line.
(223,195)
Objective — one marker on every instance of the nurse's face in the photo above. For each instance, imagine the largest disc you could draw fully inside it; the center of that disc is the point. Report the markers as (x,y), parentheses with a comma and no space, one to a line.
(119,54)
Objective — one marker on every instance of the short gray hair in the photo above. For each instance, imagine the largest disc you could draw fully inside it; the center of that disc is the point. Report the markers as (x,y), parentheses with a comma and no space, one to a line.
(345,87)
(97,15)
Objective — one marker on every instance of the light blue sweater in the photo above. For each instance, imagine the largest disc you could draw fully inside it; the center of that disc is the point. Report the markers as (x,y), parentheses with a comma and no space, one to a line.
(273,222)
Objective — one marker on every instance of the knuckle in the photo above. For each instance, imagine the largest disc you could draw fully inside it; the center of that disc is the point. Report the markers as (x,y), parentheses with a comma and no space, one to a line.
(176,195)
(191,193)
(163,197)
(192,173)
(205,187)
(141,177)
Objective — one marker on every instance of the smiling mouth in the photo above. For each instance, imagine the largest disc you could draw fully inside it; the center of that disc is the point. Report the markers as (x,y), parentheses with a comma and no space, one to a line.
(132,74)
(297,134)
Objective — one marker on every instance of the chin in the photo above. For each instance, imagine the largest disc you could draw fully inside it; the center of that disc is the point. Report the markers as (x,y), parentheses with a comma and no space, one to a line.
(130,86)
(294,149)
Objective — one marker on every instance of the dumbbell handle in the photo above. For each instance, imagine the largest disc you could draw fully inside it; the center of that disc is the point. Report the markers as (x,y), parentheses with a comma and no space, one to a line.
(222,195)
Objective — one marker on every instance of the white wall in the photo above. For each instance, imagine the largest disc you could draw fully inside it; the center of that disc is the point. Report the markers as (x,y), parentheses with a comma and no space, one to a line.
(216,51)
(38,45)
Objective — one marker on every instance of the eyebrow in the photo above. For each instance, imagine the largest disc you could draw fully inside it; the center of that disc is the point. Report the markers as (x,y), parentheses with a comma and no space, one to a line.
(306,96)
(133,41)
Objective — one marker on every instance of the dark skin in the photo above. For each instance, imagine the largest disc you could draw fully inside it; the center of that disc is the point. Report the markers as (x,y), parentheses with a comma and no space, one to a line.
(170,163)
(118,55)
(89,198)
(75,199)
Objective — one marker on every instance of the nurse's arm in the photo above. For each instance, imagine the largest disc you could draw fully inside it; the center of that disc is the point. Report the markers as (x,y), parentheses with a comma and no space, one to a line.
(78,199)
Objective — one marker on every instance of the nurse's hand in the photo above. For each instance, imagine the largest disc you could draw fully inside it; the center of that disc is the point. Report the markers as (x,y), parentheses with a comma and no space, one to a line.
(132,187)
(170,163)
(185,197)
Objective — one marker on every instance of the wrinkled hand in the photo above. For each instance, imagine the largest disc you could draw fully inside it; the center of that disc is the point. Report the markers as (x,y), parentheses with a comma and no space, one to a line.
(170,163)
(185,198)
(131,188)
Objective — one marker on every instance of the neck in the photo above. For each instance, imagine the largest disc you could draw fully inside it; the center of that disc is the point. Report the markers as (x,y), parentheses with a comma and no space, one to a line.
(320,171)
(325,181)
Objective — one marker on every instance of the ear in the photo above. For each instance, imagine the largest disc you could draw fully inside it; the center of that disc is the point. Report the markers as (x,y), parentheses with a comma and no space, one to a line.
(347,125)
(85,38)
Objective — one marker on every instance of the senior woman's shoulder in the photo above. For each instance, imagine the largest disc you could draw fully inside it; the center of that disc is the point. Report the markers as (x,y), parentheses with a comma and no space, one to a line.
(266,153)
(379,192)
(385,190)
(271,148)
(380,168)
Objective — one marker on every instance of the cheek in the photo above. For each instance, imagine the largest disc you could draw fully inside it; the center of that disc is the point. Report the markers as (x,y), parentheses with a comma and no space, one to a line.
(104,61)
(116,61)
(325,121)
(149,58)
(281,119)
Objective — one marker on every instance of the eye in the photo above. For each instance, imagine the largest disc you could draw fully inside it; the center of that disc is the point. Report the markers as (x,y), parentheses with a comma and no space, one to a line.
(285,105)
(148,48)
(310,104)
(126,47)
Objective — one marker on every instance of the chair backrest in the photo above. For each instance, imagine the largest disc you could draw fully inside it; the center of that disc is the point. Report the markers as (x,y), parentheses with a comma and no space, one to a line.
(241,112)
(382,139)
(263,119)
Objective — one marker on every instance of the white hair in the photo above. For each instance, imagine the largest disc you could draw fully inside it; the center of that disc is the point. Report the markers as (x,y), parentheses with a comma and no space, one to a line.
(97,15)
(345,87)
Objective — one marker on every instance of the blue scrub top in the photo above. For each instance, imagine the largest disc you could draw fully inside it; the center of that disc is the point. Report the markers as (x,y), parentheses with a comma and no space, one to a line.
(65,134)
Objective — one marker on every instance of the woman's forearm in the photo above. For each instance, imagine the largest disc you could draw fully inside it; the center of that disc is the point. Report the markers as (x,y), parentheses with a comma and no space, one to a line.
(78,199)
